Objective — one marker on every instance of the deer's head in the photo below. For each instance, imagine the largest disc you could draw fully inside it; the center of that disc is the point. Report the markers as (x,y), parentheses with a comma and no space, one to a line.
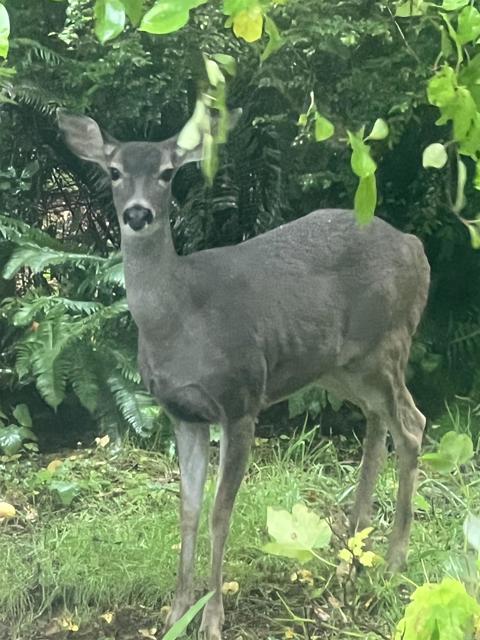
(141,173)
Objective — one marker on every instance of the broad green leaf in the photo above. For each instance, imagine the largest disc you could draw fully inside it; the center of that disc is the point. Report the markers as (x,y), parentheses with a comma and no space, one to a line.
(441,88)
(109,19)
(227,62)
(453,450)
(446,43)
(468,25)
(10,440)
(411,8)
(134,10)
(471,529)
(366,199)
(190,136)
(453,5)
(421,504)
(296,534)
(275,39)
(215,76)
(363,164)
(181,625)
(64,491)
(4,31)
(166,16)
(442,611)
(380,130)
(248,24)
(435,156)
(324,129)
(22,415)
(474,231)
(231,7)
(288,550)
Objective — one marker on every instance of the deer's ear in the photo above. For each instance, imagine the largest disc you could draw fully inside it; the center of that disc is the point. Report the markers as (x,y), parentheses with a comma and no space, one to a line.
(85,139)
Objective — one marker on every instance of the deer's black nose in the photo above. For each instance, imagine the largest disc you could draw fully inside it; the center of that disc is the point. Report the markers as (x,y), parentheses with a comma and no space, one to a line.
(137,217)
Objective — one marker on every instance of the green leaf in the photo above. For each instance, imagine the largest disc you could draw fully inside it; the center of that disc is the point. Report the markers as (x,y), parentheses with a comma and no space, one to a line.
(380,130)
(442,611)
(474,231)
(215,76)
(460,200)
(180,626)
(324,129)
(468,25)
(441,88)
(168,16)
(435,156)
(190,136)
(453,5)
(411,8)
(275,39)
(363,164)
(22,415)
(134,10)
(10,440)
(4,31)
(227,62)
(248,24)
(453,450)
(476,182)
(109,19)
(65,492)
(296,534)
(366,199)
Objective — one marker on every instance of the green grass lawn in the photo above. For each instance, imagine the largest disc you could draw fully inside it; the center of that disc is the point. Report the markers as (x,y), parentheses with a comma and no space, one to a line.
(114,548)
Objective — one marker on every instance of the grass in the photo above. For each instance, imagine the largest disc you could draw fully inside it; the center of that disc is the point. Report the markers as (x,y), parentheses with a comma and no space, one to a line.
(115,547)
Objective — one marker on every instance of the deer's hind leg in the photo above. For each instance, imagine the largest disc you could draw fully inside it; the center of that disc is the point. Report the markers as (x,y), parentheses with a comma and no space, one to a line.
(378,388)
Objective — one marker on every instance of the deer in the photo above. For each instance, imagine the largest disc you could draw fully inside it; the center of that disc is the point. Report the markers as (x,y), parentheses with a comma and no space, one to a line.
(224,333)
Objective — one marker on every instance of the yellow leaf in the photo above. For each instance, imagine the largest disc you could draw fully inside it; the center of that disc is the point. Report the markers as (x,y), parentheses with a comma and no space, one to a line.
(368,559)
(54,465)
(68,624)
(164,611)
(7,510)
(305,577)
(229,588)
(346,556)
(176,547)
(102,442)
(108,617)
(357,542)
(248,24)
(294,577)
(148,633)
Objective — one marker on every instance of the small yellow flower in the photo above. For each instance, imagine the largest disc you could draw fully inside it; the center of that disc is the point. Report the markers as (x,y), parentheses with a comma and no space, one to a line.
(346,556)
(368,559)
(289,633)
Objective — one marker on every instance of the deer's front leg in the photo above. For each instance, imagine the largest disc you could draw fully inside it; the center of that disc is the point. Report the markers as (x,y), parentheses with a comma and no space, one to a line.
(192,444)
(234,449)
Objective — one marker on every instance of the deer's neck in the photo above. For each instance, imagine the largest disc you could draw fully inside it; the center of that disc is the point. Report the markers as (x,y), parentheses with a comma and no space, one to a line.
(152,278)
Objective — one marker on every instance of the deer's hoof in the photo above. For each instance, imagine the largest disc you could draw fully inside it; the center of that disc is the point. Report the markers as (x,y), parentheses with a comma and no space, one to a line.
(212,623)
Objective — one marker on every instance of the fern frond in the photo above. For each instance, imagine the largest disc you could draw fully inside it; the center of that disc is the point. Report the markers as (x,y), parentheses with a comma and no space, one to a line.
(38,258)
(134,406)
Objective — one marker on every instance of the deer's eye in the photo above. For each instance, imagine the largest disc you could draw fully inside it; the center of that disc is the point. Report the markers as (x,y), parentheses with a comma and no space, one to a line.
(166,175)
(115,174)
